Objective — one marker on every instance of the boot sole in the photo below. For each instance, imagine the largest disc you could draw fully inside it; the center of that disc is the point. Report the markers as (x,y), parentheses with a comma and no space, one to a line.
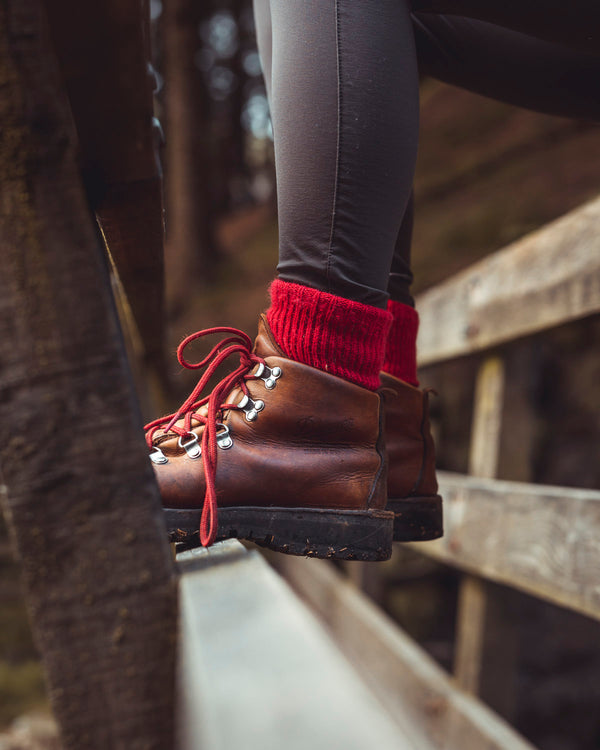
(417,519)
(334,534)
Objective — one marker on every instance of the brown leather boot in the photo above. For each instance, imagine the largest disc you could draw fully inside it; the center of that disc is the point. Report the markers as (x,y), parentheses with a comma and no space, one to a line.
(280,453)
(412,485)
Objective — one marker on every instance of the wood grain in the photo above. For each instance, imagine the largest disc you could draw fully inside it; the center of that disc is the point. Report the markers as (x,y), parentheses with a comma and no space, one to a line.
(540,539)
(258,671)
(418,693)
(547,278)
(487,419)
(103,54)
(485,653)
(77,487)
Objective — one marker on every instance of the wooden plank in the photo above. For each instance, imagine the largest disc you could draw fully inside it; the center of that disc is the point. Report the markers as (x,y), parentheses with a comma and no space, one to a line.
(483,622)
(486,644)
(542,540)
(545,279)
(416,691)
(487,419)
(77,487)
(470,631)
(103,53)
(130,216)
(257,670)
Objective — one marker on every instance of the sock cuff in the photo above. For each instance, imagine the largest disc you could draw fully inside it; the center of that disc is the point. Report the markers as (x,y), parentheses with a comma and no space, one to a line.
(401,351)
(334,334)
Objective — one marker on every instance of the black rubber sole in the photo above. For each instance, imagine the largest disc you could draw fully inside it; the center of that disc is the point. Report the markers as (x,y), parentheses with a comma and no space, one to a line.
(335,534)
(417,519)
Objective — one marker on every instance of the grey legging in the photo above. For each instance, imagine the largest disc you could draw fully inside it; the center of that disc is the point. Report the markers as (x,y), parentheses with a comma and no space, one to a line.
(342,80)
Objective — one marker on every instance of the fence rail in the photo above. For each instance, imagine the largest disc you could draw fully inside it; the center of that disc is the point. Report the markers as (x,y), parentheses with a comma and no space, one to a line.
(541,539)
(257,671)
(416,691)
(545,279)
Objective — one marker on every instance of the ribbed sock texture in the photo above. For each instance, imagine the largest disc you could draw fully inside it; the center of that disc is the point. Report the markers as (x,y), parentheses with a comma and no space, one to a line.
(401,351)
(334,334)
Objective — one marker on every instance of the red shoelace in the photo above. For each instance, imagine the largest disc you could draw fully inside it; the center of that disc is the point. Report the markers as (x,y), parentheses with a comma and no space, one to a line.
(237,343)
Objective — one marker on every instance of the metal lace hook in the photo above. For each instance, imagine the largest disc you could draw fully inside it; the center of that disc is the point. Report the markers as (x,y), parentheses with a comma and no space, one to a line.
(191,447)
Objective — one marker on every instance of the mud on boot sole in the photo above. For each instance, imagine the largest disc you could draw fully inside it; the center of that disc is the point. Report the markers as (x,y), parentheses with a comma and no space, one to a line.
(335,534)
(417,519)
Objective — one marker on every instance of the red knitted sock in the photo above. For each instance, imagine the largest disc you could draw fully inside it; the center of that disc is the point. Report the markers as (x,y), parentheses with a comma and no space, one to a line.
(334,334)
(401,351)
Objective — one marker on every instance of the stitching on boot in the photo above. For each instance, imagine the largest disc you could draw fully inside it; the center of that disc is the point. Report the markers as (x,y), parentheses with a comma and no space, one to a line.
(381,452)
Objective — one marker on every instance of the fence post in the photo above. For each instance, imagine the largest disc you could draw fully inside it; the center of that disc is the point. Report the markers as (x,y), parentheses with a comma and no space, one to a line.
(485,639)
(77,487)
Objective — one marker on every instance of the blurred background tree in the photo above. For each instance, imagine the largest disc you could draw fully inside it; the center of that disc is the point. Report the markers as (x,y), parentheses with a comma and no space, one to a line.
(218,157)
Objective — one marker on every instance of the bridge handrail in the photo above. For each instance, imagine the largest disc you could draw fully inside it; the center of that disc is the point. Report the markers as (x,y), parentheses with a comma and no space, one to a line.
(544,279)
(540,539)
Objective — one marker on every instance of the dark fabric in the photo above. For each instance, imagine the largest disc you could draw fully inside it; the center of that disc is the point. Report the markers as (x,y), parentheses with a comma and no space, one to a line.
(342,81)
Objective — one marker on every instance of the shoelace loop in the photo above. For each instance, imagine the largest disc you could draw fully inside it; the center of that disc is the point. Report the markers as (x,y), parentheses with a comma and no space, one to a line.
(236,343)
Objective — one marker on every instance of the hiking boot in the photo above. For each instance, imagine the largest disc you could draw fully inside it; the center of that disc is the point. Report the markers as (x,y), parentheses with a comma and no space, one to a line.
(279,453)
(412,485)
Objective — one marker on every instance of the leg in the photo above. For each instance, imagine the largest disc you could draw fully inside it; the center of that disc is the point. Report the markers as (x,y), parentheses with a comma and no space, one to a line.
(292,439)
(344,178)
(503,64)
(508,65)
(575,24)
(345,122)
(401,277)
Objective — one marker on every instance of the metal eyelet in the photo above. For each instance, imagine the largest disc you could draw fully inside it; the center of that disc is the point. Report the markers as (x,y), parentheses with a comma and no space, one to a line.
(191,447)
(224,440)
(250,407)
(157,456)
(271,377)
(268,376)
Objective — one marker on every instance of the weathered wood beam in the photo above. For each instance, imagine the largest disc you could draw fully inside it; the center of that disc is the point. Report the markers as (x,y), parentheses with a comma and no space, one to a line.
(547,278)
(485,653)
(190,260)
(103,51)
(542,540)
(256,669)
(416,691)
(77,487)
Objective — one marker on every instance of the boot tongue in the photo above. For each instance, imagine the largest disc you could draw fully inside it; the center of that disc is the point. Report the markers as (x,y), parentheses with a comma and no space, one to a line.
(265,344)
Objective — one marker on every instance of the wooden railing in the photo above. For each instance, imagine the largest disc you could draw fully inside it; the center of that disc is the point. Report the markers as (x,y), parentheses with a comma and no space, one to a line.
(539,539)
(257,670)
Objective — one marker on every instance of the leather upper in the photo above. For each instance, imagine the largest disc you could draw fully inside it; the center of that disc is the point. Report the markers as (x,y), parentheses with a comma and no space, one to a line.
(316,444)
(408,439)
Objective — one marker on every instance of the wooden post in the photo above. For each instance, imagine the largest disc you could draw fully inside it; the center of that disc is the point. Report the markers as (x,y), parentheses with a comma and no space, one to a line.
(103,52)
(77,487)
(486,640)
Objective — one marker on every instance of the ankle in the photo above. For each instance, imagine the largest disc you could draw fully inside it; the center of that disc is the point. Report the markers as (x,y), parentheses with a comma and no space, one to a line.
(401,350)
(334,334)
